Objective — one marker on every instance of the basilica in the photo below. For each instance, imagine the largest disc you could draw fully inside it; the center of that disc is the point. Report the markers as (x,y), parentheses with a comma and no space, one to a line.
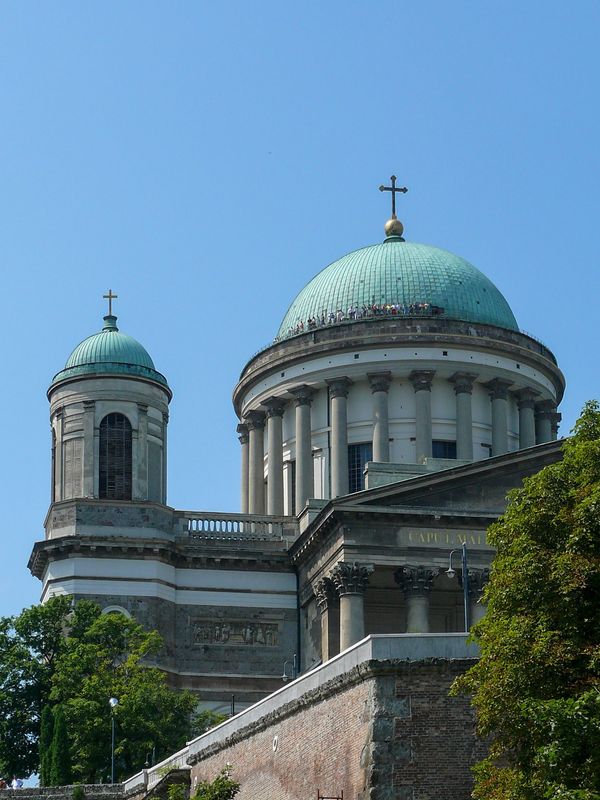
(379,434)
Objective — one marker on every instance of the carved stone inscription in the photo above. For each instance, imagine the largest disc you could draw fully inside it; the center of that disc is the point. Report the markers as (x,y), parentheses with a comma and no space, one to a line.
(453,538)
(228,632)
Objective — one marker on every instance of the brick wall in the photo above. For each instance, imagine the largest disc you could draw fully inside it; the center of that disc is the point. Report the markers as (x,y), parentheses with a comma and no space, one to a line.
(382,731)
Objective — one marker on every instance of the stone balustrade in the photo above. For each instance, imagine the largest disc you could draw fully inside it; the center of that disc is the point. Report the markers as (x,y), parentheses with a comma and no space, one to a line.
(215,525)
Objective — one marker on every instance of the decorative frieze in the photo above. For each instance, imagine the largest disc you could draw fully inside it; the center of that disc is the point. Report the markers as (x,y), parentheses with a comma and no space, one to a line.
(230,632)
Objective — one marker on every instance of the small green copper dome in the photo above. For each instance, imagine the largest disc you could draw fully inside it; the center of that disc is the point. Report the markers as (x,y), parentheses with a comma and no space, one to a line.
(402,273)
(110,352)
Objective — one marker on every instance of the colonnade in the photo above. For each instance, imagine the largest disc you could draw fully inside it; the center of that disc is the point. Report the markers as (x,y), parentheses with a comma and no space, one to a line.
(347,583)
(538,422)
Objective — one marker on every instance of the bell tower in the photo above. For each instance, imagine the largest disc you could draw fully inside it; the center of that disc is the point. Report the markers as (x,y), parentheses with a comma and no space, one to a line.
(109,415)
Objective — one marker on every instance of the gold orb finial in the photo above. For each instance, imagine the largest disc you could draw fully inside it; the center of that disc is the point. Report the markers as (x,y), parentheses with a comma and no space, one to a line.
(393,227)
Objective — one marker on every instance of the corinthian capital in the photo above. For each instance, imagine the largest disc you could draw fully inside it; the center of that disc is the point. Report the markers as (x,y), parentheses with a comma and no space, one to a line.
(416,579)
(463,382)
(421,379)
(498,388)
(478,579)
(242,430)
(255,420)
(302,394)
(351,578)
(324,593)
(275,406)
(338,387)
(379,381)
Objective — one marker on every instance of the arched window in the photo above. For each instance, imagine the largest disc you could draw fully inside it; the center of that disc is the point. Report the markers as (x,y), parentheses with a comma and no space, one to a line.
(115,458)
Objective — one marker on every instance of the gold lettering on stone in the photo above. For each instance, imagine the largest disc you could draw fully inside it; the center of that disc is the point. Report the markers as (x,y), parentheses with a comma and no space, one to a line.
(451,538)
(262,634)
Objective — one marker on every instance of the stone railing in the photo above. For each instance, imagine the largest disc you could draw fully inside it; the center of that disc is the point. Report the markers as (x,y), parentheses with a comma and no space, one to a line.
(201,525)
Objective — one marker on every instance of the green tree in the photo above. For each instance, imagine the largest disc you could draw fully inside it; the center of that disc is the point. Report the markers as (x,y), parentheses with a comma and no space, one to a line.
(45,745)
(60,761)
(536,687)
(222,788)
(73,656)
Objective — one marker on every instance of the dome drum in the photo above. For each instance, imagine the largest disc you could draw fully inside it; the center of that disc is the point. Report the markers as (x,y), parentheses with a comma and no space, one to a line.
(433,368)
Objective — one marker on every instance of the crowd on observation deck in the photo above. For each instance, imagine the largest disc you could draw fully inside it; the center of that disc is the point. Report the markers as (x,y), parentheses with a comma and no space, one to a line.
(362,312)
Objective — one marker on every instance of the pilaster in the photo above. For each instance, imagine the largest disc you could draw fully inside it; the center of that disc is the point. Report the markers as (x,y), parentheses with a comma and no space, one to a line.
(89,408)
(326,603)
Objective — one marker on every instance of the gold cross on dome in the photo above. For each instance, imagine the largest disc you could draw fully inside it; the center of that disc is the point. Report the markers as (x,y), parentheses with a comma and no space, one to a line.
(110,297)
(394,190)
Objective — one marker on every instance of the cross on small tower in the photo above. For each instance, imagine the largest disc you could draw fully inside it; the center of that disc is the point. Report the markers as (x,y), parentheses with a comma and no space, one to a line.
(394,190)
(110,297)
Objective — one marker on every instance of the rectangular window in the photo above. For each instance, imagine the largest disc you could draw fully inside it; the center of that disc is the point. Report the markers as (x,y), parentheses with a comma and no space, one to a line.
(440,448)
(358,455)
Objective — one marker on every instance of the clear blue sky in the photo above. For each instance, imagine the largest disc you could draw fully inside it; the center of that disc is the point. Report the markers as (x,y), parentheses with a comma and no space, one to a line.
(205,160)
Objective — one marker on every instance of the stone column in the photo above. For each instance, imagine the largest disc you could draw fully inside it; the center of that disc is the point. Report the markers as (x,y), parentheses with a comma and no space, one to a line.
(275,407)
(416,583)
(89,407)
(305,481)
(255,420)
(478,579)
(242,429)
(380,384)
(338,392)
(463,388)
(544,409)
(350,581)
(326,599)
(421,380)
(526,405)
(499,396)
(554,423)
(142,452)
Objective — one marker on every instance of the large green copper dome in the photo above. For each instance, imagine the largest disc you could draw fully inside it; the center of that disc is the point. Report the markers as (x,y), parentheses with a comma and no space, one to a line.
(110,352)
(402,273)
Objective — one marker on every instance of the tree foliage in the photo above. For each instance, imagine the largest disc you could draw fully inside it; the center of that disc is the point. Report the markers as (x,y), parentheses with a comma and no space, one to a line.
(536,687)
(77,658)
(222,788)
(45,744)
(60,757)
